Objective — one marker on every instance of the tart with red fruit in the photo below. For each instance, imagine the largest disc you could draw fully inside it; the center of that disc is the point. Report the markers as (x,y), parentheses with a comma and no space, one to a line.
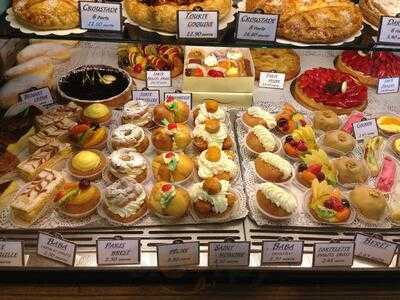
(88,136)
(327,204)
(136,59)
(288,119)
(300,142)
(322,88)
(369,67)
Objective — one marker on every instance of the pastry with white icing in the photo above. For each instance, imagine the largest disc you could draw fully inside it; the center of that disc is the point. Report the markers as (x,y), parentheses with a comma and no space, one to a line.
(271,167)
(210,109)
(128,162)
(256,115)
(211,133)
(260,139)
(129,136)
(137,113)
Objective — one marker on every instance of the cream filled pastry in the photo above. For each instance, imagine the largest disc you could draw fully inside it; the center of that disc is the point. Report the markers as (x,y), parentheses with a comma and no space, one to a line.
(138,113)
(260,139)
(256,115)
(215,162)
(129,136)
(212,198)
(211,133)
(272,167)
(128,162)
(275,201)
(125,201)
(210,109)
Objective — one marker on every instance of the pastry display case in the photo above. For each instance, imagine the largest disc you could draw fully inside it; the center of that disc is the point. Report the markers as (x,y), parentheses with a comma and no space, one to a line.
(293,142)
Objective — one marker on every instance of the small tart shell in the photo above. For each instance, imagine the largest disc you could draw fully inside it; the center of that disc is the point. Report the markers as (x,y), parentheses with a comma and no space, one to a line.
(80,209)
(92,174)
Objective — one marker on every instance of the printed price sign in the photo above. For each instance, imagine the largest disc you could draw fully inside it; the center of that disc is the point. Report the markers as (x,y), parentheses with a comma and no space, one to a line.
(118,251)
(198,24)
(388,85)
(100,16)
(375,249)
(158,78)
(333,254)
(56,248)
(185,97)
(151,97)
(11,254)
(234,254)
(272,80)
(40,97)
(256,27)
(178,254)
(389,31)
(282,252)
(364,129)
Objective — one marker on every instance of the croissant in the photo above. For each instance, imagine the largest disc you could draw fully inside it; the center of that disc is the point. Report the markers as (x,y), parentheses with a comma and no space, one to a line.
(47,14)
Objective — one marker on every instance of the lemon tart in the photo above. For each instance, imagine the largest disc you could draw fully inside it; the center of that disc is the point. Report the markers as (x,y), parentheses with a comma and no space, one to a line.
(87,164)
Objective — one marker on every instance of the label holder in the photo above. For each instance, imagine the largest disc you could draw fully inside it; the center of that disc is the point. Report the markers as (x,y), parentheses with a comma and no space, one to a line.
(104,2)
(197,8)
(149,90)
(4,239)
(334,241)
(229,240)
(180,92)
(179,242)
(59,236)
(283,239)
(379,237)
(379,42)
(118,238)
(154,86)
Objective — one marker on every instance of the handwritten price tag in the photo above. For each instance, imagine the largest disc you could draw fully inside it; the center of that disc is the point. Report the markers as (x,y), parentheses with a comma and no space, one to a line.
(229,254)
(282,252)
(272,80)
(389,31)
(388,85)
(118,251)
(40,97)
(158,78)
(178,254)
(151,97)
(256,27)
(375,249)
(100,16)
(364,129)
(11,254)
(198,24)
(184,97)
(333,254)
(56,249)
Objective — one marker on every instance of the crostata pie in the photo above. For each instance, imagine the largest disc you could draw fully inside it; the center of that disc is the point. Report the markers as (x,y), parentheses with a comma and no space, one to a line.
(373,10)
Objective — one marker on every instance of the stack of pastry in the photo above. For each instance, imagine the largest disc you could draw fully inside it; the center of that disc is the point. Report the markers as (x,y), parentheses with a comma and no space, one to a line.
(373,10)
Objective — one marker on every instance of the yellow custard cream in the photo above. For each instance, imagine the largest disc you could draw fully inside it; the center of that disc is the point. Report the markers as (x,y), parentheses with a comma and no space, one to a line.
(208,168)
(218,201)
(213,139)
(258,112)
(277,162)
(279,196)
(85,161)
(265,137)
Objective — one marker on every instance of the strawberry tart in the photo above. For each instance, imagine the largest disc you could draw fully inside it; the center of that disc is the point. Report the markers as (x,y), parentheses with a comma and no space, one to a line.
(323,88)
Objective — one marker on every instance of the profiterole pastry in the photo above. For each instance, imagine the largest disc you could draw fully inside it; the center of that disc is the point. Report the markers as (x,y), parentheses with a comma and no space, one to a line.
(128,162)
(215,162)
(87,164)
(260,139)
(137,113)
(389,124)
(171,111)
(370,202)
(97,113)
(78,199)
(339,140)
(274,201)
(173,137)
(271,167)
(211,133)
(125,201)
(129,136)
(373,147)
(168,201)
(256,115)
(351,170)
(210,109)
(212,198)
(172,167)
(88,136)
(326,120)
(386,179)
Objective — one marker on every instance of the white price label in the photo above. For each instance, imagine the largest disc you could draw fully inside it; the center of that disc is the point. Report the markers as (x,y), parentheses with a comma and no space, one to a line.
(229,254)
(158,78)
(11,254)
(282,252)
(184,97)
(100,16)
(56,249)
(256,27)
(198,24)
(151,97)
(118,252)
(374,249)
(333,254)
(272,80)
(364,129)
(178,254)
(40,97)
(389,31)
(388,85)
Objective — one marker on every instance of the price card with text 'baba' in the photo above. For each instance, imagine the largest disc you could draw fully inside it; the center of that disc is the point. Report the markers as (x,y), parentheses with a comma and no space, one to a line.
(56,248)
